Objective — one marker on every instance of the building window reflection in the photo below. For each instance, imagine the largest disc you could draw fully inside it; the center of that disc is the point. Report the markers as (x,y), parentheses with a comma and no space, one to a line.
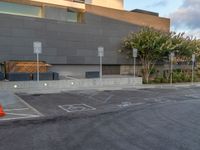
(20,9)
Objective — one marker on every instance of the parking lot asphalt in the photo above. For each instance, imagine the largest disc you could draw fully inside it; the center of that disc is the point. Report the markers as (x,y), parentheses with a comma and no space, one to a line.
(105,101)
(135,119)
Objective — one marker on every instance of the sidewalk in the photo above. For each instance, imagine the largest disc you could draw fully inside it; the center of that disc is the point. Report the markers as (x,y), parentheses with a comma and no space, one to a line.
(168,85)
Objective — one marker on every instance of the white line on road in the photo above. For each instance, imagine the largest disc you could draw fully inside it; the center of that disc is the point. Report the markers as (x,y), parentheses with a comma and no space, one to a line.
(39,113)
(128,104)
(16,118)
(27,115)
(18,109)
(108,98)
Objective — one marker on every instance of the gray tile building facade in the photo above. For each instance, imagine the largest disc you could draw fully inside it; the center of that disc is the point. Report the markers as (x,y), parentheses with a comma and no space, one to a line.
(65,44)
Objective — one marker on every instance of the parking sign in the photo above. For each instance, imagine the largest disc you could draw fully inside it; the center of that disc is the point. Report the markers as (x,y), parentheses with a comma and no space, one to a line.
(37,46)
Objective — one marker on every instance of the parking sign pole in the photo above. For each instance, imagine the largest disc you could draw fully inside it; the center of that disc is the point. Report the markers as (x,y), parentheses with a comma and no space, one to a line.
(134,68)
(193,60)
(135,51)
(100,54)
(38,68)
(171,60)
(37,47)
(101,67)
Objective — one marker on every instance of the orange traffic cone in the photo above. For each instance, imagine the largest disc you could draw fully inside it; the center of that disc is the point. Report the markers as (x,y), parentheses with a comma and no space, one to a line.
(2,113)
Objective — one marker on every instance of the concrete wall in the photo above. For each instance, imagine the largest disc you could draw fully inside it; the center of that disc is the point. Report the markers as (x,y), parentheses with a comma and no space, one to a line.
(63,42)
(66,85)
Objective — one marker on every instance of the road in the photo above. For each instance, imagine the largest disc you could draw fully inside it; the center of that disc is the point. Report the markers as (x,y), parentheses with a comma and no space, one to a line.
(129,119)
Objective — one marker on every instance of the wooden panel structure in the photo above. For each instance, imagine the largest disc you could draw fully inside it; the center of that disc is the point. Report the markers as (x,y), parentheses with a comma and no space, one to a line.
(25,66)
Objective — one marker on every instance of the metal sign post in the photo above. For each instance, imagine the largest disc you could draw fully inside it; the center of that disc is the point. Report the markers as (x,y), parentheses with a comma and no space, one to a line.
(193,61)
(135,51)
(100,54)
(37,47)
(171,57)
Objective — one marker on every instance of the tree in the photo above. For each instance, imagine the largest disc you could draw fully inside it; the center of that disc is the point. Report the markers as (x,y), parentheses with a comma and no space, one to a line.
(185,46)
(152,45)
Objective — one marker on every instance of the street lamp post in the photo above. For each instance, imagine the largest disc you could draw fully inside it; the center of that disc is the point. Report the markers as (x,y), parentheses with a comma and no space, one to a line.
(193,61)
(100,54)
(37,47)
(171,57)
(135,51)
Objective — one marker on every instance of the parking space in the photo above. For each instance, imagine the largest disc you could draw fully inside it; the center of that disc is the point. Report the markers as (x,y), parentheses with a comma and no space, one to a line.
(16,108)
(90,101)
(146,118)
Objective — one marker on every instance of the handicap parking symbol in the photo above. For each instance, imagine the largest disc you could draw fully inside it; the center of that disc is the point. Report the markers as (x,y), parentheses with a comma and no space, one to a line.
(76,107)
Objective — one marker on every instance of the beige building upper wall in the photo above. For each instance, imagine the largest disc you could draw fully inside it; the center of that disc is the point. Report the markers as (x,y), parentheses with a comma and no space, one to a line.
(140,19)
(115,4)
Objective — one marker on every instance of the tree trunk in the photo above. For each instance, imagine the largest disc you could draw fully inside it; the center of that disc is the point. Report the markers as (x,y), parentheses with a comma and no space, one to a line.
(146,73)
(147,66)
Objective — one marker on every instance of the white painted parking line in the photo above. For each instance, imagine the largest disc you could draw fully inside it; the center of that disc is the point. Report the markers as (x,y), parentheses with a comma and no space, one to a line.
(195,96)
(128,104)
(162,99)
(16,118)
(76,107)
(29,106)
(108,98)
(18,109)
(19,113)
(26,115)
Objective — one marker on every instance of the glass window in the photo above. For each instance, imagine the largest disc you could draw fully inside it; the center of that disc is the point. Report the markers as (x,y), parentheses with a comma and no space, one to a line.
(72,16)
(20,9)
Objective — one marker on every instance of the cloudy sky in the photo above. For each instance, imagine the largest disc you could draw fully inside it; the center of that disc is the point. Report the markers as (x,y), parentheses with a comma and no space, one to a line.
(184,14)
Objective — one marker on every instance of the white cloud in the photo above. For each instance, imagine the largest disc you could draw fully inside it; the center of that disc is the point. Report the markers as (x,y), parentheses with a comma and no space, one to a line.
(187,17)
(160,3)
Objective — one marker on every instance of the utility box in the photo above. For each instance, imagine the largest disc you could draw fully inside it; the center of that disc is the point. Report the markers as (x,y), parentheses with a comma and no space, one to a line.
(18,76)
(92,74)
(2,76)
(43,76)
